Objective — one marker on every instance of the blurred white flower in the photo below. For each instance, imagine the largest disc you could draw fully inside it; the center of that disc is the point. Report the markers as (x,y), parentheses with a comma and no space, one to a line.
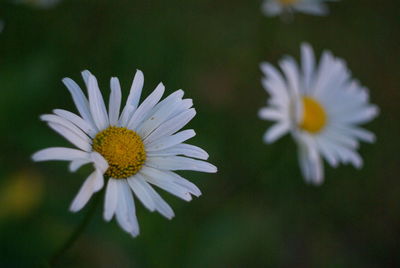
(278,7)
(134,149)
(39,3)
(321,106)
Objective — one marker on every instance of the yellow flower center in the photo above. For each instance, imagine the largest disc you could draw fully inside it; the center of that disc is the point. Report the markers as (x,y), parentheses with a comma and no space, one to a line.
(287,2)
(123,149)
(314,116)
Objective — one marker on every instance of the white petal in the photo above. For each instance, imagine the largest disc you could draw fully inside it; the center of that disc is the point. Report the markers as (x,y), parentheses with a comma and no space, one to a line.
(160,113)
(350,156)
(111,199)
(60,154)
(180,163)
(126,212)
(182,149)
(78,163)
(96,103)
(133,98)
(146,107)
(276,131)
(79,99)
(90,186)
(171,126)
(338,137)
(291,71)
(270,114)
(114,102)
(312,169)
(159,204)
(271,8)
(86,75)
(327,152)
(191,187)
(308,65)
(314,8)
(169,141)
(139,187)
(99,161)
(274,84)
(69,135)
(87,127)
(65,123)
(362,116)
(165,181)
(360,133)
(185,105)
(310,162)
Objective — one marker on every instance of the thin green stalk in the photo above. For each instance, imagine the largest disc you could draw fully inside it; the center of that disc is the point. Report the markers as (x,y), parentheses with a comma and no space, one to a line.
(78,231)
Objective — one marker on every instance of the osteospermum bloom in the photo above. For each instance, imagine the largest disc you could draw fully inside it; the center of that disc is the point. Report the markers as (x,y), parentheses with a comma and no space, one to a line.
(321,106)
(134,149)
(278,7)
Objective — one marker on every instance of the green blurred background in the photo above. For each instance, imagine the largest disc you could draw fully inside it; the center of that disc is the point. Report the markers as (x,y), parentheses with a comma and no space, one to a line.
(256,211)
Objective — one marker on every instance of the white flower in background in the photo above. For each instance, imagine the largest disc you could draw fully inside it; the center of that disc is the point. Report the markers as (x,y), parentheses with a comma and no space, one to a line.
(135,149)
(278,7)
(321,106)
(39,3)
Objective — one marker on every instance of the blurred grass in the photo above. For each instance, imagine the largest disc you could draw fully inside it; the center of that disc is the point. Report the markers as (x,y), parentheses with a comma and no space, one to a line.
(256,211)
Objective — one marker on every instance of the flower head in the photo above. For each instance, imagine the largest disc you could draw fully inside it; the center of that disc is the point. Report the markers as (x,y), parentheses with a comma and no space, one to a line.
(134,149)
(321,106)
(278,7)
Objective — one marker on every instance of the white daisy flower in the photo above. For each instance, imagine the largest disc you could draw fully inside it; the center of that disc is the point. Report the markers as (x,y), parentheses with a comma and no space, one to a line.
(137,148)
(321,106)
(273,8)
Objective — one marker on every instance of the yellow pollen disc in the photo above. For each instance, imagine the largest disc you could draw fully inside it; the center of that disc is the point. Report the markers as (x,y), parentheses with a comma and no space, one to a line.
(287,2)
(123,149)
(314,116)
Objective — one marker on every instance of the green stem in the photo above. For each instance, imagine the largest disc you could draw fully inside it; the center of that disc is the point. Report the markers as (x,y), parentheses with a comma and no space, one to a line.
(78,231)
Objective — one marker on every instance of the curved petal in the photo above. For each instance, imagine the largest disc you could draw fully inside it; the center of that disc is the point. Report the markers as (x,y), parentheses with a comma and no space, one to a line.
(111,199)
(78,163)
(86,127)
(65,123)
(133,98)
(169,141)
(126,212)
(89,187)
(96,103)
(114,104)
(171,126)
(182,149)
(72,137)
(60,154)
(165,181)
(147,192)
(179,163)
(160,113)
(146,107)
(276,131)
(79,99)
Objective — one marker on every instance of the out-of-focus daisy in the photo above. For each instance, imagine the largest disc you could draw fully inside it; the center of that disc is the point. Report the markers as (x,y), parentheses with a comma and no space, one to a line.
(44,4)
(321,106)
(279,7)
(134,149)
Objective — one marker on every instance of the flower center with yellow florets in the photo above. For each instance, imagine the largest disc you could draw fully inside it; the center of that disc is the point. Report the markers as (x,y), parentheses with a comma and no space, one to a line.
(123,149)
(314,116)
